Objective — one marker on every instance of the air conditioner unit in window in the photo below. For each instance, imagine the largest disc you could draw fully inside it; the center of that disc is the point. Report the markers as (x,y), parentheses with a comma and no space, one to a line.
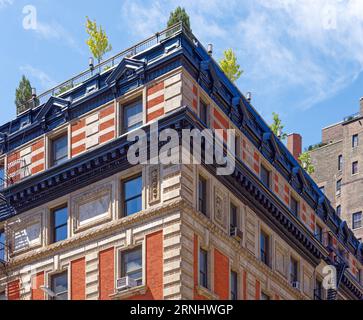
(126,283)
(236,233)
(296,284)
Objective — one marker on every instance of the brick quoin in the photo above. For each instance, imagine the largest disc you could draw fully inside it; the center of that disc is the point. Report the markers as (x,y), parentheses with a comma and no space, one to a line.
(78,279)
(221,275)
(14,290)
(106,273)
(154,268)
(37,282)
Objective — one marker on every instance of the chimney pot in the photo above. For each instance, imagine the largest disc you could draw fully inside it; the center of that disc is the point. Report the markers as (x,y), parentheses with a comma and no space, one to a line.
(294,145)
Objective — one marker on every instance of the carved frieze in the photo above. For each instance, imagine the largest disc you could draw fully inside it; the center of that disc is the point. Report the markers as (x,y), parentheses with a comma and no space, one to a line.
(154,184)
(220,208)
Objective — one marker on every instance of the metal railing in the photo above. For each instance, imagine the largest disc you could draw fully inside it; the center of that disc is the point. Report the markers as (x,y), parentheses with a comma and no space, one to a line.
(109,63)
(352,117)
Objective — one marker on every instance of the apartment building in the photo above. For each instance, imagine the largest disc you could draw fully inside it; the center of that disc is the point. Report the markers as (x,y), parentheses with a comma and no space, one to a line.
(79,222)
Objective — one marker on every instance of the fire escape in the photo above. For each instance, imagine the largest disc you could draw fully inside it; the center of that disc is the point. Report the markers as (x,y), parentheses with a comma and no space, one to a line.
(338,260)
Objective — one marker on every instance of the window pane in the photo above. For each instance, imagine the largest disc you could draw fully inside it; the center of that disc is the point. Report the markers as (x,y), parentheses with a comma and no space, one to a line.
(203,112)
(60,150)
(234,219)
(2,175)
(264,248)
(294,206)
(265,177)
(234,286)
(61,233)
(203,268)
(131,265)
(60,285)
(357,220)
(60,217)
(2,245)
(202,195)
(294,270)
(132,196)
(339,211)
(133,116)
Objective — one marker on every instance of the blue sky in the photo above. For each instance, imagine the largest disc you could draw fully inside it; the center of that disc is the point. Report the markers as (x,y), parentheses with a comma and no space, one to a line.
(301,59)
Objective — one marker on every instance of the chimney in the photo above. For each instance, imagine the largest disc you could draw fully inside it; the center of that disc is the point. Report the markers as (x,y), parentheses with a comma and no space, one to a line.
(361,106)
(294,144)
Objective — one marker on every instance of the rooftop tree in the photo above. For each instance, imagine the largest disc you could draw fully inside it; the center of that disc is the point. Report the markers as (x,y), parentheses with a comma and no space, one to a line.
(179,15)
(230,66)
(98,42)
(23,95)
(277,127)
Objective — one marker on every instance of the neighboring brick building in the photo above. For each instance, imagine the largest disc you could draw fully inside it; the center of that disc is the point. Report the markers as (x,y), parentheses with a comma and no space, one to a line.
(80,222)
(338,171)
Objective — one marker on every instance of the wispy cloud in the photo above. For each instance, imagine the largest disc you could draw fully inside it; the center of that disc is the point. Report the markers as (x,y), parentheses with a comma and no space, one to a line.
(308,50)
(5,3)
(42,78)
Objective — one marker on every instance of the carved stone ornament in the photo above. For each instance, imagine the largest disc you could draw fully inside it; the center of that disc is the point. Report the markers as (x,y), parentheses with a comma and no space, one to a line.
(220,215)
(154,181)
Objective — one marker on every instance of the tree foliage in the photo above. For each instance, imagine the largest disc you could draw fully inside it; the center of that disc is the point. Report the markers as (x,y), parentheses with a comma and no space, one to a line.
(277,127)
(179,14)
(23,95)
(230,66)
(306,162)
(97,42)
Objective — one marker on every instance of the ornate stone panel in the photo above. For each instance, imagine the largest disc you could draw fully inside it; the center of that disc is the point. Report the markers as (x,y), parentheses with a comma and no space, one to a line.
(220,208)
(154,184)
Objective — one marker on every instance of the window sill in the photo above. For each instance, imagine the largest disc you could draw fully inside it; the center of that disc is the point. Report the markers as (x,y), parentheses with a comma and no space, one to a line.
(122,295)
(206,293)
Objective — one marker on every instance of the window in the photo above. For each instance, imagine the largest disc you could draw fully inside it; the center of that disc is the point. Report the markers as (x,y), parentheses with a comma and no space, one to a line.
(318,294)
(132,116)
(265,297)
(357,220)
(204,112)
(265,176)
(234,217)
(355,167)
(59,150)
(294,206)
(234,285)
(339,186)
(203,268)
(132,193)
(340,163)
(202,195)
(2,176)
(339,210)
(319,233)
(59,285)
(264,248)
(355,141)
(322,189)
(294,270)
(60,224)
(2,245)
(131,265)
(2,296)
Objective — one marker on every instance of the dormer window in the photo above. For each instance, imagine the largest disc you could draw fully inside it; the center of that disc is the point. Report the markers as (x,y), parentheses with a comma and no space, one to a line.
(59,150)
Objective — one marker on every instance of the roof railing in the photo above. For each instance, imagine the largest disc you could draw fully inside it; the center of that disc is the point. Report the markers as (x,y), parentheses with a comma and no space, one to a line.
(106,65)
(352,117)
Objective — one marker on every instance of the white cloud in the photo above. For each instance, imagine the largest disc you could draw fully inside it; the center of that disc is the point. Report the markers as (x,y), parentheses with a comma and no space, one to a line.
(43,79)
(6,3)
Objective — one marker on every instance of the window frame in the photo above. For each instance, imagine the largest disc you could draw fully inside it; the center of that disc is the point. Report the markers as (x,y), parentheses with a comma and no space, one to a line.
(52,276)
(293,199)
(339,186)
(52,223)
(122,272)
(235,211)
(340,162)
(3,177)
(205,114)
(297,279)
(52,140)
(2,245)
(265,252)
(203,275)
(264,168)
(355,168)
(129,104)
(123,194)
(355,140)
(204,207)
(338,212)
(234,286)
(319,235)
(354,227)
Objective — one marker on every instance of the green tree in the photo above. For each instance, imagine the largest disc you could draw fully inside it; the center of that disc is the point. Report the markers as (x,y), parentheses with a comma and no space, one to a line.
(277,127)
(23,95)
(98,41)
(306,162)
(230,66)
(179,14)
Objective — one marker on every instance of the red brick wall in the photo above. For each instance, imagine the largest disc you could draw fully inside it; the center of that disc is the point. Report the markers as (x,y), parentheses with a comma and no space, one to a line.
(221,275)
(37,282)
(294,145)
(155,101)
(13,290)
(78,279)
(106,273)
